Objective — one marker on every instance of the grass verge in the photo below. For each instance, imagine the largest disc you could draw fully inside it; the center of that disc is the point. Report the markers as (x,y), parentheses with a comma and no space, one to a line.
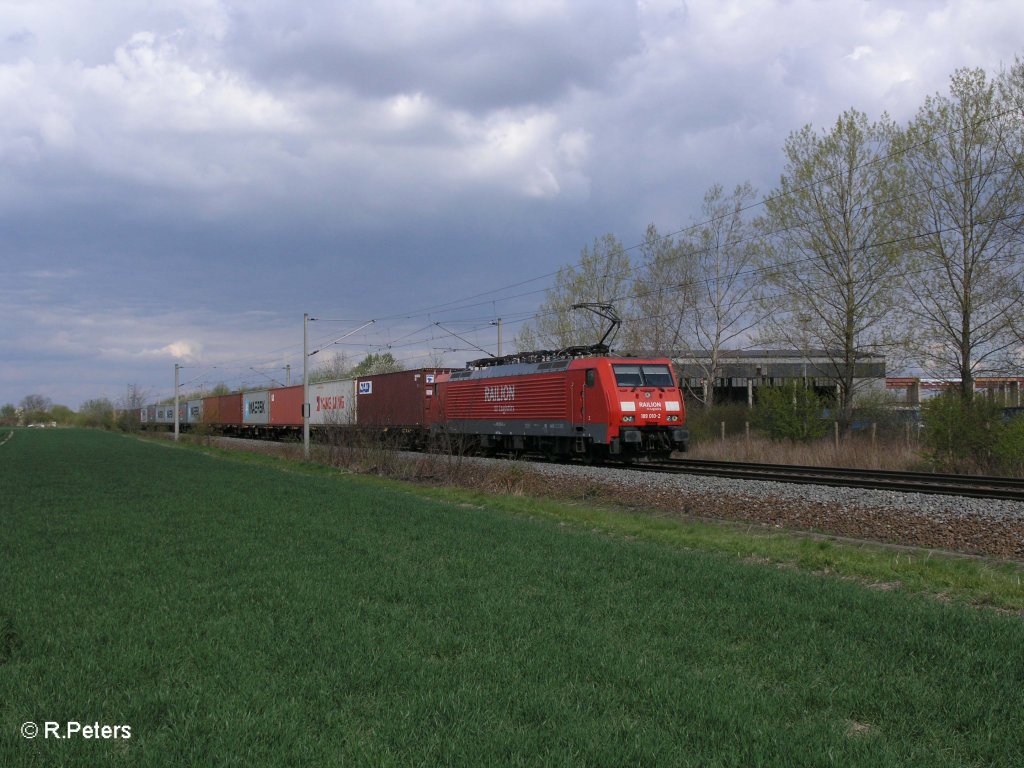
(512,488)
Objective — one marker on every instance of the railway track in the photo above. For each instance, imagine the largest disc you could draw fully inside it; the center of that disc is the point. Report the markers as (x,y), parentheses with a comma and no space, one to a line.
(975,486)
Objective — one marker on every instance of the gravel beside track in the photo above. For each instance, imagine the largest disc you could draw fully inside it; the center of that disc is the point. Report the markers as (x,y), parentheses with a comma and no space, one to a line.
(977,526)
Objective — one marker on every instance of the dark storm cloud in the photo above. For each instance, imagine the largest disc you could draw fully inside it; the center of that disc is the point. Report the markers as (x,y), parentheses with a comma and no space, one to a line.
(469,56)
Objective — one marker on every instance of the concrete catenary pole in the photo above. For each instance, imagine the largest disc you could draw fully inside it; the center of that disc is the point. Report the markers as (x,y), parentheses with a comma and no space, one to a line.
(176,375)
(305,384)
(498,323)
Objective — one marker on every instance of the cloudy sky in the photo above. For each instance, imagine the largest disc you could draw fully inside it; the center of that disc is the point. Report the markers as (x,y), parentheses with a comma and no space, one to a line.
(180,180)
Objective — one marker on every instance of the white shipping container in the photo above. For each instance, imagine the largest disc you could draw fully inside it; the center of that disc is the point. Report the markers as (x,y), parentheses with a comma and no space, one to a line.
(256,407)
(332,402)
(195,412)
(164,414)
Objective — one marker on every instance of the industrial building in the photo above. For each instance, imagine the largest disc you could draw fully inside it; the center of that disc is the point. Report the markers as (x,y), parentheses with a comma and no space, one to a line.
(742,373)
(911,390)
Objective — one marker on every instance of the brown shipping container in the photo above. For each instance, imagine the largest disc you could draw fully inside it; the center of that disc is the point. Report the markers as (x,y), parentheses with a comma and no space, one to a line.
(395,399)
(286,406)
(223,409)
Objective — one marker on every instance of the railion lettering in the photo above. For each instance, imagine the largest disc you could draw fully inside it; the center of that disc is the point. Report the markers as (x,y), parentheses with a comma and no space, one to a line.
(500,393)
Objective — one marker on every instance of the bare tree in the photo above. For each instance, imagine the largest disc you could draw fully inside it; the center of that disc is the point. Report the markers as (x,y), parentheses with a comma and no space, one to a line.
(662,296)
(129,406)
(1011,106)
(967,288)
(725,251)
(831,270)
(1010,102)
(436,359)
(97,413)
(335,367)
(36,408)
(601,275)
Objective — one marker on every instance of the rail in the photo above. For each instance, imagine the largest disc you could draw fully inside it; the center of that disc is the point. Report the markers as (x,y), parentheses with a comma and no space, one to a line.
(975,486)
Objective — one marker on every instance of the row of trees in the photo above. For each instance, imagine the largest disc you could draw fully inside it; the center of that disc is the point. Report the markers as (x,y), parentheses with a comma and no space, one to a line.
(37,409)
(34,409)
(339,366)
(879,239)
(100,412)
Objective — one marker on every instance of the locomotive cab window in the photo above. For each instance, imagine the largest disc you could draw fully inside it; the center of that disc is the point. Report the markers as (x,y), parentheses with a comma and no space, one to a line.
(657,376)
(591,377)
(643,376)
(628,376)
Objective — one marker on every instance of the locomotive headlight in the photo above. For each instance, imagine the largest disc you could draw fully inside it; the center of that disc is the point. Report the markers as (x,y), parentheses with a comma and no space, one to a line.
(628,419)
(672,418)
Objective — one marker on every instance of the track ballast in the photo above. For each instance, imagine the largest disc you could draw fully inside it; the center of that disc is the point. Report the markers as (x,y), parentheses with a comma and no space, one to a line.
(974,486)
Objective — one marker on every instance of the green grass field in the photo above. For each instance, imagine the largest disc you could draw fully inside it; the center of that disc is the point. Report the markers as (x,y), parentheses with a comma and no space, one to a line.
(234,612)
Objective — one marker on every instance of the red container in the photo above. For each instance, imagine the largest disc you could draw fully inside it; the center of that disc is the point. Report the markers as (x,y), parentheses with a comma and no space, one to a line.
(397,399)
(286,407)
(223,409)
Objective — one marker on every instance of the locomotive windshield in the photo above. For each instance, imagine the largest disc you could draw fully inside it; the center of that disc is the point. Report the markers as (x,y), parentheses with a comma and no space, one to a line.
(643,376)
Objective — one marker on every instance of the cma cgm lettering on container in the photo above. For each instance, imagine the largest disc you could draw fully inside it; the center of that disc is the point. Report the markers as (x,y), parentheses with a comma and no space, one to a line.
(588,407)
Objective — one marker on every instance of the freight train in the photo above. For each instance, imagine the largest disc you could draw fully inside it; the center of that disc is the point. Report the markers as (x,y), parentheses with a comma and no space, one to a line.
(559,406)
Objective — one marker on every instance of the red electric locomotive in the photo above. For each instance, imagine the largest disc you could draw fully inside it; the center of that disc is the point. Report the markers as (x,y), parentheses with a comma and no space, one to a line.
(586,407)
